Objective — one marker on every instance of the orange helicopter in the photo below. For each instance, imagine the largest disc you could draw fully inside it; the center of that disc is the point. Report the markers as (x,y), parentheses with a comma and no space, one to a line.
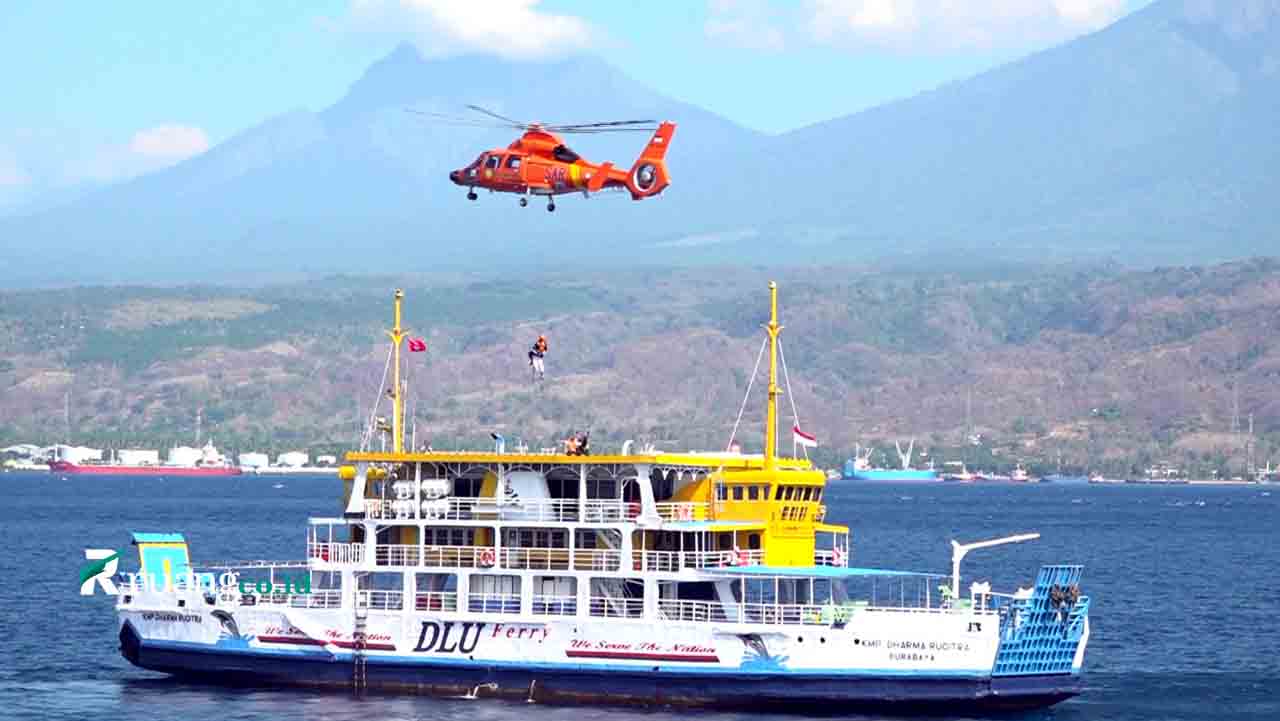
(539,162)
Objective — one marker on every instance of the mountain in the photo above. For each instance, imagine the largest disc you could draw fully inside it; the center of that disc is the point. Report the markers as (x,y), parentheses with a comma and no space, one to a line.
(1153,139)
(1110,369)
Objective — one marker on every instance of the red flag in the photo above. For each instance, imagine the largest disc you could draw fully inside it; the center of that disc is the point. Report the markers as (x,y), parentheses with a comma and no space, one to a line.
(801,438)
(417,345)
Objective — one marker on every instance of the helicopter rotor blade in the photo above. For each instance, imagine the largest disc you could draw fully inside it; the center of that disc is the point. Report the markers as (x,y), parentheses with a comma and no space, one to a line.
(503,118)
(607,124)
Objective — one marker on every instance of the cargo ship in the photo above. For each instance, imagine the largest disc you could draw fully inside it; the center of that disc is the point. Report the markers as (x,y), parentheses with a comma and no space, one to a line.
(181,461)
(633,577)
(859,468)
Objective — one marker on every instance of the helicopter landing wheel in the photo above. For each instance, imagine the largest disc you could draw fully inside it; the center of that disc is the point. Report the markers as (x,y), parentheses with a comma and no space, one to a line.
(471,195)
(524,202)
(551,207)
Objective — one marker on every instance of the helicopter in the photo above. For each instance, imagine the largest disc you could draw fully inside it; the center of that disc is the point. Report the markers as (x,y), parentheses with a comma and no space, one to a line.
(540,163)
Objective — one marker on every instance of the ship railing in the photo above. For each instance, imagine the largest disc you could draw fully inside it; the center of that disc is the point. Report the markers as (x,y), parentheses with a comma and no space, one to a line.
(459,508)
(696,611)
(435,601)
(466,508)
(435,556)
(684,511)
(554,605)
(493,603)
(610,607)
(674,561)
(336,552)
(329,598)
(380,599)
(580,559)
(829,557)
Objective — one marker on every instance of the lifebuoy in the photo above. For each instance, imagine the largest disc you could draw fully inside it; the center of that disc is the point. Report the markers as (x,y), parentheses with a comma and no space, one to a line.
(487,557)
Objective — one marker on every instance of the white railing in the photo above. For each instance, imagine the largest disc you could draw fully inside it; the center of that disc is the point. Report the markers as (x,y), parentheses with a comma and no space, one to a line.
(606,607)
(581,559)
(697,611)
(494,603)
(435,601)
(330,598)
(547,605)
(397,555)
(336,552)
(380,600)
(594,510)
(684,511)
(830,557)
(673,561)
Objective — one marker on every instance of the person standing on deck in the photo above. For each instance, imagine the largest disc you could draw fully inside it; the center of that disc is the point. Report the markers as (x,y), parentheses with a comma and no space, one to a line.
(536,354)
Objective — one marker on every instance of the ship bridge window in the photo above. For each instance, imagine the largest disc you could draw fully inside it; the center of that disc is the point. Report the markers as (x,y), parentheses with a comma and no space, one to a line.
(449,536)
(564,154)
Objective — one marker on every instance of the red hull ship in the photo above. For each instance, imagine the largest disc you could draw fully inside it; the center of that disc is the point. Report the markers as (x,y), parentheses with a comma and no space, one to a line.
(121,470)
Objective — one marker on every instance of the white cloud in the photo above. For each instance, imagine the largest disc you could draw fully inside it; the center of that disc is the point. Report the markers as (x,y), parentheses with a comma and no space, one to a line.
(169,142)
(943,25)
(510,28)
(746,24)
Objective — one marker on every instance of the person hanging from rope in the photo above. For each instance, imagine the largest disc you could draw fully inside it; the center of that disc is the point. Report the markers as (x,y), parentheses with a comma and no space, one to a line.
(536,354)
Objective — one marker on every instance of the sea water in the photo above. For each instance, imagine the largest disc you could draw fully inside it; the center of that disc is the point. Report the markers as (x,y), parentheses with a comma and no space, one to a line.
(1185,583)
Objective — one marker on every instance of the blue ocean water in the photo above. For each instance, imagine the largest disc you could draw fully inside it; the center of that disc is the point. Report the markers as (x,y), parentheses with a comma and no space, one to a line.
(1185,584)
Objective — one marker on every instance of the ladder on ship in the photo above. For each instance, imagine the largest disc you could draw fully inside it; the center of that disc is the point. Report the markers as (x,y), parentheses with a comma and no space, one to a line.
(359,664)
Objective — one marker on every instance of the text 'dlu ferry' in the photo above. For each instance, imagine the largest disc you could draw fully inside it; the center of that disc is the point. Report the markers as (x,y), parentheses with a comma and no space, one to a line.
(652,578)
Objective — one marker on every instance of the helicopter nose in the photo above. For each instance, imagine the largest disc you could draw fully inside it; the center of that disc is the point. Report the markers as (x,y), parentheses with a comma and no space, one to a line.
(455,176)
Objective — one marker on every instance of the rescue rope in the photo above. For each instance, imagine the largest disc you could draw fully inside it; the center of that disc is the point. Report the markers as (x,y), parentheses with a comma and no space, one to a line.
(745,397)
(366,437)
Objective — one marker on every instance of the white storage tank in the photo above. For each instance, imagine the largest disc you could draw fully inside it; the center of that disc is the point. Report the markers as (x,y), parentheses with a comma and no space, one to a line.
(137,457)
(293,459)
(254,460)
(183,456)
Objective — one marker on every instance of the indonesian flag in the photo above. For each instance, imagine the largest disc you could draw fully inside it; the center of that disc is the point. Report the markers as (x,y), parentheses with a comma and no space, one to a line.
(417,345)
(800,438)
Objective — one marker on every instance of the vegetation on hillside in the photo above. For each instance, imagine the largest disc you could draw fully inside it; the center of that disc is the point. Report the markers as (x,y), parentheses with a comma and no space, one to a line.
(1071,367)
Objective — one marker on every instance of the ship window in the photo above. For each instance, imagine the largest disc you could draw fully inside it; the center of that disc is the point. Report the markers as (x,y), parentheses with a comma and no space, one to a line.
(737,493)
(555,595)
(494,594)
(436,592)
(617,598)
(588,538)
(753,541)
(817,496)
(493,161)
(725,541)
(777,495)
(722,492)
(753,493)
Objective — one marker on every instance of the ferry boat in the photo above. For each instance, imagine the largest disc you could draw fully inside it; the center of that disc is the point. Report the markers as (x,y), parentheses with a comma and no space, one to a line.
(690,579)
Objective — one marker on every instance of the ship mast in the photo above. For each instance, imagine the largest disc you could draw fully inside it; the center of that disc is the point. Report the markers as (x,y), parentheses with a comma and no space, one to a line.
(771,415)
(397,400)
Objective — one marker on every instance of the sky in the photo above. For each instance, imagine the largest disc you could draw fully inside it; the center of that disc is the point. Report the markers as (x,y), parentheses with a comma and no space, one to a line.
(96,93)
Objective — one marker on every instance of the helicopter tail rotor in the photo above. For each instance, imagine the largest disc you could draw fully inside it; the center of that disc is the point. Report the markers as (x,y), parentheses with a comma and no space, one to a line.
(648,176)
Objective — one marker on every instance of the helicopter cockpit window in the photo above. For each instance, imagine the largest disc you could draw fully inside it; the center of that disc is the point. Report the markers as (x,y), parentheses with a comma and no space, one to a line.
(564,154)
(513,162)
(492,161)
